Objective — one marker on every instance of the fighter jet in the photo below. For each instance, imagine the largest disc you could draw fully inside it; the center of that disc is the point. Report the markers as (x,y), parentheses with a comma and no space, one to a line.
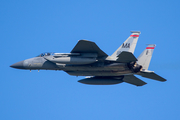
(87,59)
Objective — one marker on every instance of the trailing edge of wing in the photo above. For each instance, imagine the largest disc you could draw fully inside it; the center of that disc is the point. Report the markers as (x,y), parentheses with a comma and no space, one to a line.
(133,80)
(126,57)
(85,46)
(152,75)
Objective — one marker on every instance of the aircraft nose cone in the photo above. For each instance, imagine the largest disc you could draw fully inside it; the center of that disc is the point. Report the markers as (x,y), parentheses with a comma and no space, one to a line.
(18,65)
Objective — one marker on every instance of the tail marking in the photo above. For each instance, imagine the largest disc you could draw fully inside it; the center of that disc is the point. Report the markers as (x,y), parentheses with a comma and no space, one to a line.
(134,35)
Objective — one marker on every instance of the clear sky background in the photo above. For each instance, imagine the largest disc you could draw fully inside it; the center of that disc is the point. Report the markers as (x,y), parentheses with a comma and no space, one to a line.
(28,28)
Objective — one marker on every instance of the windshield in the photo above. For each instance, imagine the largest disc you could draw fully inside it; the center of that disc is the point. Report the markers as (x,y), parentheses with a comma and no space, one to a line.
(46,54)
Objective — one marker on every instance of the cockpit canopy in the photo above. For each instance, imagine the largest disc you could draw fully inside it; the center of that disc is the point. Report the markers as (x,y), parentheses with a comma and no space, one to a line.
(46,54)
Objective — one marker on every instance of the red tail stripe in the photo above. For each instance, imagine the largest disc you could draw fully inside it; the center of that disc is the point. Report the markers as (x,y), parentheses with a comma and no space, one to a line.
(134,35)
(149,47)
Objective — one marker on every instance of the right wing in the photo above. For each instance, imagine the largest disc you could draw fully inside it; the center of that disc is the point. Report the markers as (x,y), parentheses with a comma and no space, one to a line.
(85,46)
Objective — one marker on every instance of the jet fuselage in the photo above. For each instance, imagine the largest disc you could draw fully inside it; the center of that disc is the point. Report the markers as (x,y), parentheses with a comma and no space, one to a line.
(87,59)
(98,68)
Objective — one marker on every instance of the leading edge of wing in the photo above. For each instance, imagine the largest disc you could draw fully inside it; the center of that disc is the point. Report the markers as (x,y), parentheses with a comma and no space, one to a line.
(85,46)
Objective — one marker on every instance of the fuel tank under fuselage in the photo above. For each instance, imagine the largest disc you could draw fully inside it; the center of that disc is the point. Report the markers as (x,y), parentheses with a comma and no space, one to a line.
(102,80)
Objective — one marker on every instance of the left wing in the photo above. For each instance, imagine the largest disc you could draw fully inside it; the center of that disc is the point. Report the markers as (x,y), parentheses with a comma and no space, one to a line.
(85,46)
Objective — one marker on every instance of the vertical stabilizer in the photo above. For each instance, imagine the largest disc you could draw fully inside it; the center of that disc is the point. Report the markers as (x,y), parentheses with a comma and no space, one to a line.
(128,45)
(145,57)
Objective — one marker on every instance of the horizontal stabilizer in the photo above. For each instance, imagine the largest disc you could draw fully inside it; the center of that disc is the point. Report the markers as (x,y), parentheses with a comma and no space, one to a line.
(152,75)
(133,80)
(85,46)
(126,57)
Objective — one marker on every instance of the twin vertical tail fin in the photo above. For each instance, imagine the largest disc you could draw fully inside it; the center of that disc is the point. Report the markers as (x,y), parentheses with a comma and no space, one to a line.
(145,57)
(128,45)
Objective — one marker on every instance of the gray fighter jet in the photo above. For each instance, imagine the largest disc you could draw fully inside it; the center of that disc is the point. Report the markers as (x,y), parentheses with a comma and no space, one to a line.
(87,59)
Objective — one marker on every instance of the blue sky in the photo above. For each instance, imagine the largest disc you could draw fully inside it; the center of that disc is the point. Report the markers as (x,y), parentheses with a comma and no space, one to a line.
(29,28)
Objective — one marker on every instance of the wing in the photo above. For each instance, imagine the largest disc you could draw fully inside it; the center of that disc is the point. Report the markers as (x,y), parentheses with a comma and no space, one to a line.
(85,46)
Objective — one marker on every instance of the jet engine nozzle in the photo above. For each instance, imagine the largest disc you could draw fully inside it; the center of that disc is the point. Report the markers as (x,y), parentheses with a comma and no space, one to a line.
(137,68)
(134,67)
